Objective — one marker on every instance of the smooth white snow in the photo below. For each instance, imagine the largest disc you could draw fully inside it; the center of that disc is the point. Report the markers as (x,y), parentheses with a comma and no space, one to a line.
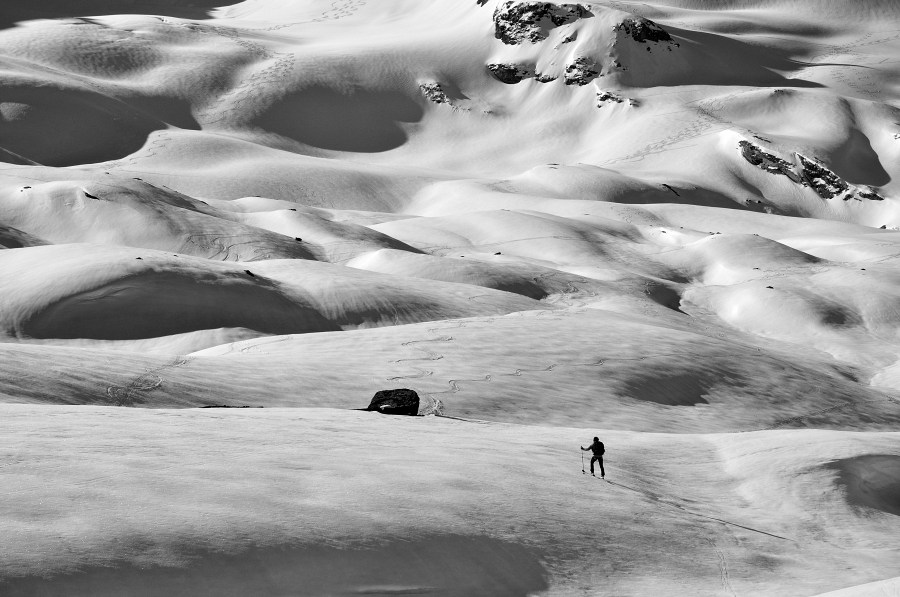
(292,205)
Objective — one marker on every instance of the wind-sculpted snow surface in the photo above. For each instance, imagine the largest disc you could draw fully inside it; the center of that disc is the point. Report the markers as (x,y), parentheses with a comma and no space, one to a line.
(671,225)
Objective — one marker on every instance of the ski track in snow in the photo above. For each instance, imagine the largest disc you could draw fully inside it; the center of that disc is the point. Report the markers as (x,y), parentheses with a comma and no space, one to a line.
(145,382)
(723,566)
(670,501)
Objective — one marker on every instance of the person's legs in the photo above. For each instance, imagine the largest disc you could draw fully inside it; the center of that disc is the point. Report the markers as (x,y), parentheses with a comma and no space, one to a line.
(592,464)
(600,461)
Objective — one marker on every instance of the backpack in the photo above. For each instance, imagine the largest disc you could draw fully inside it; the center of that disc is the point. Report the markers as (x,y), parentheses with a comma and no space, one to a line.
(602,450)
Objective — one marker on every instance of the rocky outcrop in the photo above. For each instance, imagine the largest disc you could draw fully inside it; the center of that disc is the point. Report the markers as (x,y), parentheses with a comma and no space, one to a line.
(581,71)
(767,161)
(400,401)
(519,22)
(811,173)
(826,183)
(509,73)
(643,30)
(434,93)
(869,193)
(608,96)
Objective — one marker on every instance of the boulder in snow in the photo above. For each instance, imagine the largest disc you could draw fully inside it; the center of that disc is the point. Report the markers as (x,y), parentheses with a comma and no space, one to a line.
(400,401)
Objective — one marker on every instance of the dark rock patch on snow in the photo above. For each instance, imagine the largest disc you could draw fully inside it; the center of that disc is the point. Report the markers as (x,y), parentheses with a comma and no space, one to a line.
(767,161)
(581,71)
(434,93)
(515,23)
(509,73)
(810,172)
(444,93)
(826,183)
(869,193)
(643,30)
(608,96)
(400,401)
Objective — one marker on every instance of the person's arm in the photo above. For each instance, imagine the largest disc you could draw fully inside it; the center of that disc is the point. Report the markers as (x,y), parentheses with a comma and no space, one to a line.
(585,449)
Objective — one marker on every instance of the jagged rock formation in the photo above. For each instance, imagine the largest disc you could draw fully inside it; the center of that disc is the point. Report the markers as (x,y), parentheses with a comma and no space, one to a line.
(608,96)
(869,193)
(509,73)
(810,173)
(545,78)
(642,30)
(581,71)
(434,93)
(767,161)
(515,23)
(401,401)
(825,182)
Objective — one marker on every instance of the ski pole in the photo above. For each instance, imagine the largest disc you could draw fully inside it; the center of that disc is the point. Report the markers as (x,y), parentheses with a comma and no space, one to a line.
(582,463)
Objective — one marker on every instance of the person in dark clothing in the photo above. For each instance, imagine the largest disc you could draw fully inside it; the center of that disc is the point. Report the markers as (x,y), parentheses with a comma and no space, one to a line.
(598,450)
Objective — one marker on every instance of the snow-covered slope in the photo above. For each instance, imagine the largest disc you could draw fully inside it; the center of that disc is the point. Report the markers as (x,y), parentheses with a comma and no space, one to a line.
(671,224)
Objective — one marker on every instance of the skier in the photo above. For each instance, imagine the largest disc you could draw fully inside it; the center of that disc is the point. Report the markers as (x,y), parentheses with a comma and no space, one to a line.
(598,450)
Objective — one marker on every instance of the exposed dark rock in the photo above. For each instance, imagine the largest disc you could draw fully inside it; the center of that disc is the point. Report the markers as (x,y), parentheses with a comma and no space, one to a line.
(400,401)
(89,196)
(544,78)
(434,93)
(756,205)
(509,73)
(825,182)
(249,273)
(515,23)
(642,30)
(869,193)
(810,172)
(581,71)
(481,2)
(766,161)
(608,96)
